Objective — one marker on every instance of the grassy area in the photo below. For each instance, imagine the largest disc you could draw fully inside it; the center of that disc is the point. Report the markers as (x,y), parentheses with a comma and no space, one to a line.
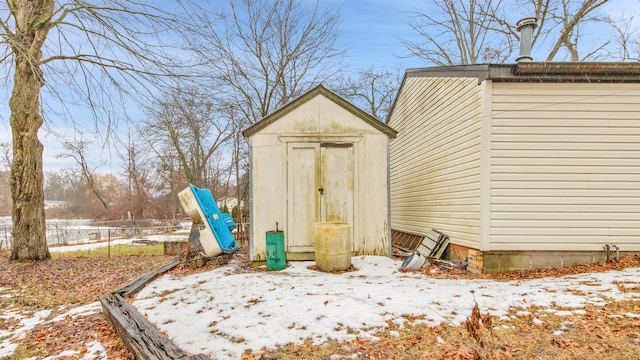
(74,278)
(115,250)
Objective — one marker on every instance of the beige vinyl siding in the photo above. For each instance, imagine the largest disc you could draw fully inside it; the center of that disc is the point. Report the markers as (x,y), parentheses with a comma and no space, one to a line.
(565,166)
(435,159)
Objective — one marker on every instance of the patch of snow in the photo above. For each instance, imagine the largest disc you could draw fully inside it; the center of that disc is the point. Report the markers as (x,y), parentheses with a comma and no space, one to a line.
(95,350)
(6,293)
(538,321)
(10,339)
(222,312)
(66,353)
(82,310)
(566,325)
(96,245)
(563,312)
(89,246)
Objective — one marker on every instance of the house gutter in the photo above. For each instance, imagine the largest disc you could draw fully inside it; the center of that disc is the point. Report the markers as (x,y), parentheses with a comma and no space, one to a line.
(539,72)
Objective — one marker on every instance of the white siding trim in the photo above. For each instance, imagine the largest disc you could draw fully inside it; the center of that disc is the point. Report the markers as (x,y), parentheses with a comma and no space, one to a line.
(486,93)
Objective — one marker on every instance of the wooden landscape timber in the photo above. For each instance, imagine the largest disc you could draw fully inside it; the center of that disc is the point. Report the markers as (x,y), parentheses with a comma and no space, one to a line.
(140,336)
(137,284)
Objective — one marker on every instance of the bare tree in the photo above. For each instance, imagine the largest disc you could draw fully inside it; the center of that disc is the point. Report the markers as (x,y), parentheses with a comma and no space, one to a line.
(187,124)
(627,37)
(569,16)
(371,89)
(77,150)
(238,161)
(5,189)
(265,52)
(5,156)
(137,172)
(86,50)
(168,181)
(58,184)
(458,33)
(484,30)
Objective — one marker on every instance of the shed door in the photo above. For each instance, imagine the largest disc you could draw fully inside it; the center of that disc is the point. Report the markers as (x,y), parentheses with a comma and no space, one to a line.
(337,181)
(320,188)
(302,183)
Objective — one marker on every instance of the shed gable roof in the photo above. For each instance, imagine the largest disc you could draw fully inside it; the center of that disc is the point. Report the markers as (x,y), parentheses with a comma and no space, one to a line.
(319,90)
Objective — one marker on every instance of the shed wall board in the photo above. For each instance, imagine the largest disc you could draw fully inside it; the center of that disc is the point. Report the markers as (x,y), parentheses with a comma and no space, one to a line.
(316,121)
(435,173)
(565,166)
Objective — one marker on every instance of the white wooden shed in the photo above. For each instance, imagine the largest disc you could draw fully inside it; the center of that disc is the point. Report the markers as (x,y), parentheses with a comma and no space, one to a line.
(319,158)
(534,164)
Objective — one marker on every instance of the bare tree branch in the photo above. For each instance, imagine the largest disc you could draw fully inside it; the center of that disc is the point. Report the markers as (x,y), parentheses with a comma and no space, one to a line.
(115,46)
(461,32)
(627,37)
(484,30)
(77,150)
(189,125)
(372,90)
(264,53)
(570,20)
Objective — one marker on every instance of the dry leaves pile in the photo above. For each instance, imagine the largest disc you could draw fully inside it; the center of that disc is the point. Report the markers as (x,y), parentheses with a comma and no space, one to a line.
(71,281)
(625,262)
(74,334)
(67,282)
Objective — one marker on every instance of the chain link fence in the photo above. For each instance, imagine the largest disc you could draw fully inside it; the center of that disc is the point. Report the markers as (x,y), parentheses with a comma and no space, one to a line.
(75,232)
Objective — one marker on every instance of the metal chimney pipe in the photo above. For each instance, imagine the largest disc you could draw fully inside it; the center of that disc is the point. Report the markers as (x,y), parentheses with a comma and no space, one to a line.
(525,27)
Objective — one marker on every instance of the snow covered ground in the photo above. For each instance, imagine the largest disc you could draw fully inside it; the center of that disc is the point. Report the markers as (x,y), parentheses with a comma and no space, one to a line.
(225,311)
(75,231)
(95,245)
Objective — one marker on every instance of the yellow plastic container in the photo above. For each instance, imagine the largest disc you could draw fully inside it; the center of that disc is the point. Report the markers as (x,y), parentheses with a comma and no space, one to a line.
(333,245)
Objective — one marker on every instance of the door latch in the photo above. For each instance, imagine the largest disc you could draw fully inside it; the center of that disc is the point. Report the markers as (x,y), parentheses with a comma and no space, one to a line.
(321,191)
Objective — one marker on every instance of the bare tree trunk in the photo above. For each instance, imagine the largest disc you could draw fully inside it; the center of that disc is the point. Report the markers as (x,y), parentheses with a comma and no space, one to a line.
(33,22)
(29,235)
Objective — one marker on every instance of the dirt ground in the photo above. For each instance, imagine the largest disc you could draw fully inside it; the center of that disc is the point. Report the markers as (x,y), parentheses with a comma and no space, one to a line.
(598,333)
